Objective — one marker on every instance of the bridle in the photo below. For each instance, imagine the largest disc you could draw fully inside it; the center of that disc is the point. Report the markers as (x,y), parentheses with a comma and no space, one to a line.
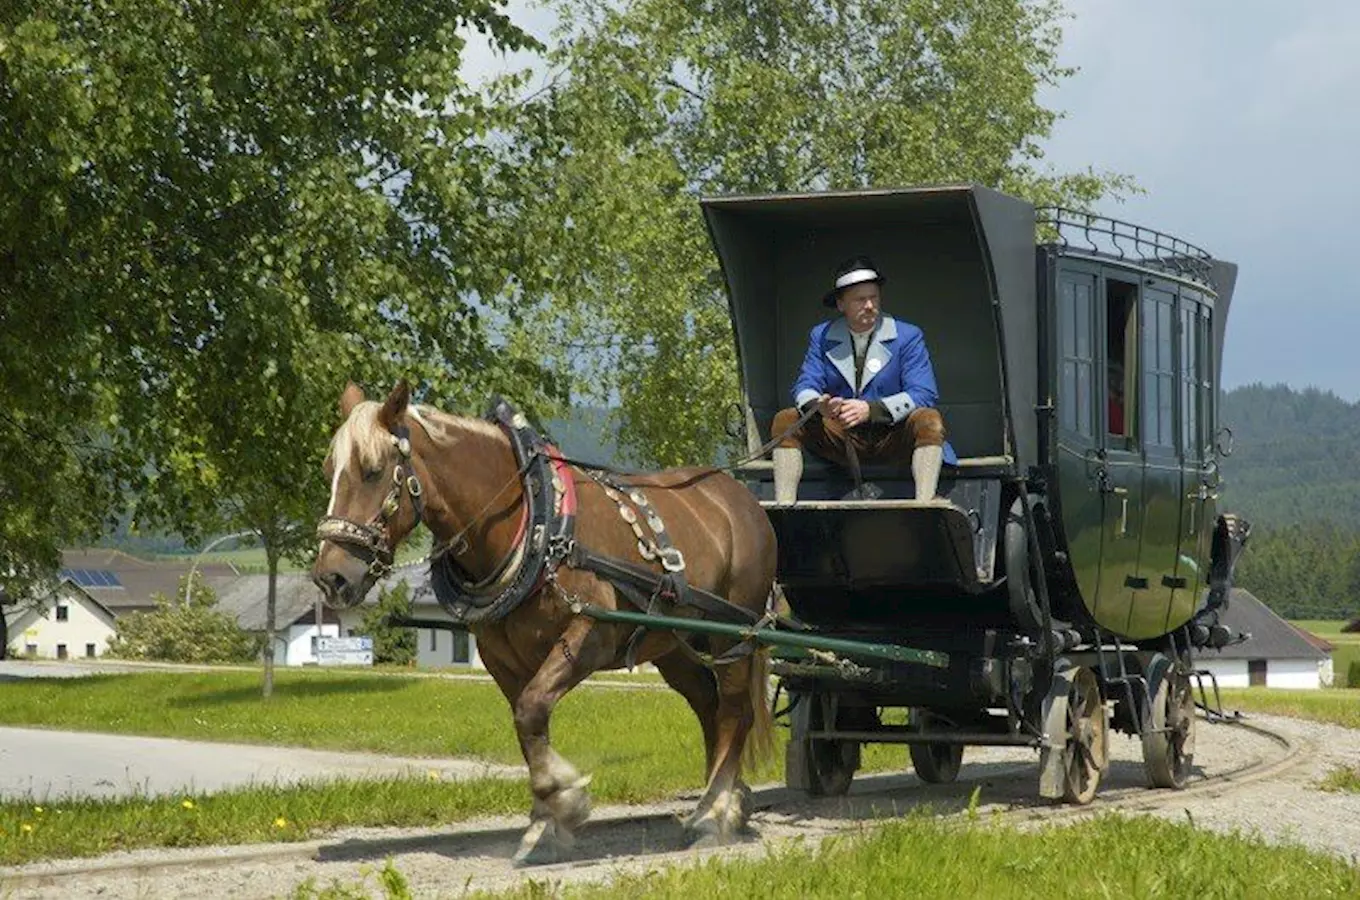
(371,536)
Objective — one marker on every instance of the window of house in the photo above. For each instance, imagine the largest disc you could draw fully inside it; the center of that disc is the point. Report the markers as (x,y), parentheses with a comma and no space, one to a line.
(1256,672)
(1159,382)
(461,647)
(61,651)
(90,651)
(1076,292)
(1121,358)
(30,649)
(434,640)
(63,613)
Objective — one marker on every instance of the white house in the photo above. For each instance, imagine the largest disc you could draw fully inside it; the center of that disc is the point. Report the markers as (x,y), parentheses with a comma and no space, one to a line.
(68,623)
(247,599)
(436,647)
(1276,654)
(295,617)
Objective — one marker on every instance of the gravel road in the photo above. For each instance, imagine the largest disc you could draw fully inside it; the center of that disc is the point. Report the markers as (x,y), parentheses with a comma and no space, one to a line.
(1245,780)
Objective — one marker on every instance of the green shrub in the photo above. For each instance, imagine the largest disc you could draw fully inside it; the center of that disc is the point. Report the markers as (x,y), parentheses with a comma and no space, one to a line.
(1353,674)
(390,643)
(193,632)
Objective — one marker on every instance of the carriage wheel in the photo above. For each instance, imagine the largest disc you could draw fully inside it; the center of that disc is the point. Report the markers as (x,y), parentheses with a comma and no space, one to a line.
(1169,740)
(935,763)
(823,768)
(1085,754)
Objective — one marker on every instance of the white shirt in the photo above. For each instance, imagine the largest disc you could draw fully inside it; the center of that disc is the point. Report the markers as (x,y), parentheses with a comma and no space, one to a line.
(861,340)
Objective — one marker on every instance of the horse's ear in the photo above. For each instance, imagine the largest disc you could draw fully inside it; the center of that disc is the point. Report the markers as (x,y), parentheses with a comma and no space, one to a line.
(395,405)
(352,397)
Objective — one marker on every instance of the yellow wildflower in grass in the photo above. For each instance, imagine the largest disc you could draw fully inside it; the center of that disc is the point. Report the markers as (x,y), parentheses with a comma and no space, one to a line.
(434,775)
(26,828)
(188,804)
(38,810)
(280,822)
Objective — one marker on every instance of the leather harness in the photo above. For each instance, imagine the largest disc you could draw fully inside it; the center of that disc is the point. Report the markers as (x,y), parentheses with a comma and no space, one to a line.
(545,540)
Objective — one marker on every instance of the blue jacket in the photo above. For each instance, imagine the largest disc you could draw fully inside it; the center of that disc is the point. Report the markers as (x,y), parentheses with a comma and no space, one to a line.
(897,368)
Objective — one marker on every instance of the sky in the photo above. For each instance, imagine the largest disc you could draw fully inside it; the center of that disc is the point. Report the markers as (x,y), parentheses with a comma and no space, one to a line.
(1240,121)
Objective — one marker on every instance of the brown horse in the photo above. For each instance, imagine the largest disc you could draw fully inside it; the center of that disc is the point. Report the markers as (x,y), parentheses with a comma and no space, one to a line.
(467,486)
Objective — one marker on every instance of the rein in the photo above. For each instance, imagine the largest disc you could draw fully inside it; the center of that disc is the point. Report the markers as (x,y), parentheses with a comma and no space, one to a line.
(707,471)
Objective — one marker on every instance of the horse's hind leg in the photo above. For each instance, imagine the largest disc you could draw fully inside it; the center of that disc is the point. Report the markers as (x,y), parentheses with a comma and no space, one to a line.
(561,802)
(723,810)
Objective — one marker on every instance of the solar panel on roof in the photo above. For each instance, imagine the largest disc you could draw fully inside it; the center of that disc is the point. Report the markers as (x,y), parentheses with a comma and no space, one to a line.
(83,577)
(113,579)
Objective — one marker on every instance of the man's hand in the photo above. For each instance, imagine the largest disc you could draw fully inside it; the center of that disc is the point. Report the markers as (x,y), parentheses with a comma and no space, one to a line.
(829,407)
(852,412)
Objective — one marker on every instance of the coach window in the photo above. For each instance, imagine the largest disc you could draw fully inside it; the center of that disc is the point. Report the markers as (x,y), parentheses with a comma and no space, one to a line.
(1195,369)
(1075,326)
(1159,382)
(1121,359)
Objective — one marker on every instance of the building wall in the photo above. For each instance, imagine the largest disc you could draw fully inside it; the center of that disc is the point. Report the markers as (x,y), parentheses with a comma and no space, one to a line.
(1280,673)
(435,648)
(293,645)
(85,633)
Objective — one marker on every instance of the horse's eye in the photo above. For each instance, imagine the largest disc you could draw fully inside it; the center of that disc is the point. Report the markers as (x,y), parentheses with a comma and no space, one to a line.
(372,475)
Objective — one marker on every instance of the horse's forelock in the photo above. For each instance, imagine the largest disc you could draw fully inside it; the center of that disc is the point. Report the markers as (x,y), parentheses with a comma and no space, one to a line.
(361,434)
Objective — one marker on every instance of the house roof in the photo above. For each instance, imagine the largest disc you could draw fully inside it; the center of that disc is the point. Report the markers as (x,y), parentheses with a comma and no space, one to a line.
(247,598)
(140,579)
(1271,636)
(17,616)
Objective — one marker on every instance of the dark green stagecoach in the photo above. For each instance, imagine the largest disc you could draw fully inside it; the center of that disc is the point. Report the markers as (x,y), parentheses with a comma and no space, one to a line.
(1080,558)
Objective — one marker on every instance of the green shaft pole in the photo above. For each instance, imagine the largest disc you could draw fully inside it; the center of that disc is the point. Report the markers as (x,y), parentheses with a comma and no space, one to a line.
(768,635)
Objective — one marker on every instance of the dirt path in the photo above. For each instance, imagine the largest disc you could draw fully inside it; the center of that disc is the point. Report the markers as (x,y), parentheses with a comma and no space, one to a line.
(1245,780)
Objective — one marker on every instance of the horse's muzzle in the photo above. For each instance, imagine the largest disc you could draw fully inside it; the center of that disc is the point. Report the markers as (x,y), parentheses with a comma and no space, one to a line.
(344,578)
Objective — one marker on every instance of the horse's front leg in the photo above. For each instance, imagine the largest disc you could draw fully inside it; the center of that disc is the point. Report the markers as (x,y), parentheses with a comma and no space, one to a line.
(561,802)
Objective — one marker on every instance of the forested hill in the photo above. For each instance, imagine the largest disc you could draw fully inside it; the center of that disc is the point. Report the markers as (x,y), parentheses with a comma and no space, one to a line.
(1295,475)
(1296,458)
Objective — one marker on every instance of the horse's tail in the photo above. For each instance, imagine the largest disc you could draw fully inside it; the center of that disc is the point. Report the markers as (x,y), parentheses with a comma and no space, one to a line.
(759,747)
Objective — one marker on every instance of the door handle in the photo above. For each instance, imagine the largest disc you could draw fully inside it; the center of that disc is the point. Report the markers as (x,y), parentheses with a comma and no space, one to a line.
(1123,495)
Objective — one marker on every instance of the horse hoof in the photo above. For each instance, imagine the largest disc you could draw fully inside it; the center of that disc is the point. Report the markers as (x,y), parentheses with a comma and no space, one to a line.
(543,843)
(570,806)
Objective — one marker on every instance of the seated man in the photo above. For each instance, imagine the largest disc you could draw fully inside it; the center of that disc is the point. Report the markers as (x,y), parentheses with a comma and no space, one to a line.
(871,377)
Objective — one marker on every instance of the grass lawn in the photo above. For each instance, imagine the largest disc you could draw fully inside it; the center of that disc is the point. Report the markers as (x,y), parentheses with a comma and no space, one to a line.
(81,828)
(639,745)
(1338,706)
(922,857)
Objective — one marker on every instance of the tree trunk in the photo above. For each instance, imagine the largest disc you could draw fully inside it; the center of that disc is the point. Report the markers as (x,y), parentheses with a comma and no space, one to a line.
(271,605)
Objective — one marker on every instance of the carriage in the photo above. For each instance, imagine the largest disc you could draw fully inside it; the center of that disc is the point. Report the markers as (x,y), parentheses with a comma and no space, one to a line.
(1080,558)
(1059,589)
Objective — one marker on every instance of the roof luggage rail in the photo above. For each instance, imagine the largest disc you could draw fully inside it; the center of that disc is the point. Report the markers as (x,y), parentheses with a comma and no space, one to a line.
(1097,235)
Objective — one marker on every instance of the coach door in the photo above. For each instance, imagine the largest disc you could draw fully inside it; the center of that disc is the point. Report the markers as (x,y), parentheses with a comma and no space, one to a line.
(1156,579)
(1199,468)
(1121,481)
(1079,421)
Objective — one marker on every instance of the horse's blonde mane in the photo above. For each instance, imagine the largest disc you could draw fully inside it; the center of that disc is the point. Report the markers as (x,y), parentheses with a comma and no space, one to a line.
(370,440)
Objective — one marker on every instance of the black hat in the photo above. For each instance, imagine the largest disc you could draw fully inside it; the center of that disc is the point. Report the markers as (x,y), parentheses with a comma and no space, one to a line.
(855,270)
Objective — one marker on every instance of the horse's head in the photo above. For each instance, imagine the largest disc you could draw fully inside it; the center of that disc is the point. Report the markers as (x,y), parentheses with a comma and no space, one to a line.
(376,498)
